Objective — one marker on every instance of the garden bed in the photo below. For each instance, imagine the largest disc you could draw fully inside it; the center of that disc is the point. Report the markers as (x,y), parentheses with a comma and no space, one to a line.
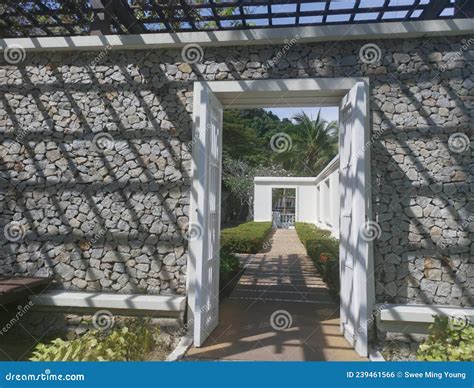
(248,237)
(449,339)
(106,338)
(101,337)
(323,251)
(230,271)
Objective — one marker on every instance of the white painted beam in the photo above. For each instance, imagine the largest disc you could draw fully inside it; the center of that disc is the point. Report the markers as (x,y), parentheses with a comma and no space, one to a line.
(257,36)
(99,300)
(422,313)
(416,318)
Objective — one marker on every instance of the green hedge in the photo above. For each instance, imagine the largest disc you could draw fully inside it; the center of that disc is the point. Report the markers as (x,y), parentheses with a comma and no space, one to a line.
(323,250)
(229,268)
(248,237)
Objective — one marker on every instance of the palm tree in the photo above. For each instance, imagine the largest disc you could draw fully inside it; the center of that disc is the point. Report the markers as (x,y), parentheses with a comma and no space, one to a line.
(313,145)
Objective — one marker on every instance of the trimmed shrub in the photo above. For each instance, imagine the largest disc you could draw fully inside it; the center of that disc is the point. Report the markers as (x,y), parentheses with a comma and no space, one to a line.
(323,250)
(248,237)
(229,268)
(448,340)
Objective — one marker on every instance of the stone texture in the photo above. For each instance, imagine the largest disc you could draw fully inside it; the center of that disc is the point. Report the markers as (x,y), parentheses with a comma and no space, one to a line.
(111,212)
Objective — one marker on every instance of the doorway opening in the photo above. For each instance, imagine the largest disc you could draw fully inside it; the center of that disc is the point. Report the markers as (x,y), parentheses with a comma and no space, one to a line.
(210,98)
(283,208)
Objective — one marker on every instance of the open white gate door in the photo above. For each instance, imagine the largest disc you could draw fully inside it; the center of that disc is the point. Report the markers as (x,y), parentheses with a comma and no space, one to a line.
(205,213)
(355,250)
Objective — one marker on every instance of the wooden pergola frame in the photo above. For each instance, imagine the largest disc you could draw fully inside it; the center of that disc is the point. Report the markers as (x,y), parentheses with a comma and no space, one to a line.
(37,18)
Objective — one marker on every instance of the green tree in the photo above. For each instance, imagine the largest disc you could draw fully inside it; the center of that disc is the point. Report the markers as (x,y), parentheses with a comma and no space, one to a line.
(241,141)
(313,145)
(238,177)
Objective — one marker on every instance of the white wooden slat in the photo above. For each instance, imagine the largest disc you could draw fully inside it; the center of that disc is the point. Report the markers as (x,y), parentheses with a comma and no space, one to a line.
(206,212)
(354,251)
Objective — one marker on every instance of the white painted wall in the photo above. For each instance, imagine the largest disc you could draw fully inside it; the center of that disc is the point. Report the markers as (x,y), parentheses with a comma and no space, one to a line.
(327,198)
(305,192)
(306,206)
(262,202)
(317,198)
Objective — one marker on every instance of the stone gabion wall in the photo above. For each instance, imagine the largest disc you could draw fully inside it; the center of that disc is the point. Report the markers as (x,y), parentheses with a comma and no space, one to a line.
(95,172)
(139,102)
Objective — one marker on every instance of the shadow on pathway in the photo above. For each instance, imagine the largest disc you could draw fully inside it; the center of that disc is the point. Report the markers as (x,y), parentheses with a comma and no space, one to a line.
(280,310)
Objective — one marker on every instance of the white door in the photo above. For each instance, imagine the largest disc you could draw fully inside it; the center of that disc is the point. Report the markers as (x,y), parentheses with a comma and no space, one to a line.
(355,251)
(205,213)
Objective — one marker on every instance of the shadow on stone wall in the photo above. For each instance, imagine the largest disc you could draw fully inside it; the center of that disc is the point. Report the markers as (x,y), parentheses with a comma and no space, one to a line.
(423,198)
(113,219)
(104,213)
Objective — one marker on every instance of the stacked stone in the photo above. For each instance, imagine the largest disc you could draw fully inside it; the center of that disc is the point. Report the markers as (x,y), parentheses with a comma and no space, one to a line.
(138,190)
(97,175)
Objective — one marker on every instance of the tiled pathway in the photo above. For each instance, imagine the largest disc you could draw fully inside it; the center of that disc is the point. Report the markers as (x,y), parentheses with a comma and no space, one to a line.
(280,310)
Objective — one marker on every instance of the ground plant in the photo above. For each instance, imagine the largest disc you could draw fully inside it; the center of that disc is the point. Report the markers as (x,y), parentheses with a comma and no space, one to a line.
(133,340)
(449,340)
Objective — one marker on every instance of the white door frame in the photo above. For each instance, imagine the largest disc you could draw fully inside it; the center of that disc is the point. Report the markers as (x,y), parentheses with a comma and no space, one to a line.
(274,93)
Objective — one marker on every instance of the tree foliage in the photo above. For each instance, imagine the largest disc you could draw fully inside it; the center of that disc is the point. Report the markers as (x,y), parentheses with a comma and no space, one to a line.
(313,145)
(238,177)
(247,151)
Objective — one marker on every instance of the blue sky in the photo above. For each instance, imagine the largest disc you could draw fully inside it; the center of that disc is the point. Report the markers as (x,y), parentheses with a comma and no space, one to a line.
(327,113)
(281,10)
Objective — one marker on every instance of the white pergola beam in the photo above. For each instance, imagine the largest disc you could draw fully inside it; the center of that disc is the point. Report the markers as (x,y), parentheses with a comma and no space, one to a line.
(257,36)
